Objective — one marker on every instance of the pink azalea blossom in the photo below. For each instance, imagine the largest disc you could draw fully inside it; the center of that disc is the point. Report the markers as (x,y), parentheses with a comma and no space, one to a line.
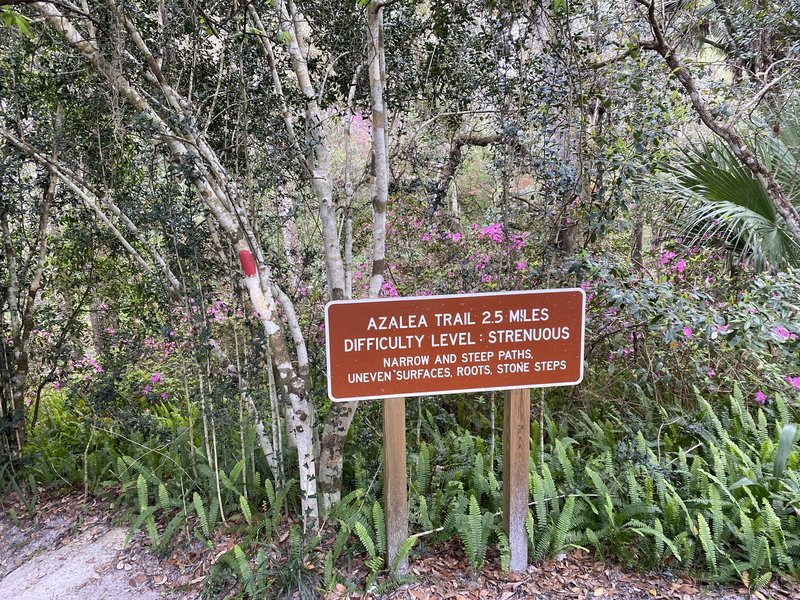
(666,257)
(794,381)
(680,266)
(389,289)
(521,265)
(784,333)
(164,396)
(760,397)
(155,378)
(517,241)
(146,389)
(493,231)
(687,331)
(711,373)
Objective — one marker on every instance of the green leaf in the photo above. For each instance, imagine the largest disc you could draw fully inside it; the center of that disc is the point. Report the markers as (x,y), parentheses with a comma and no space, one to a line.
(245,510)
(12,18)
(201,513)
(141,488)
(784,445)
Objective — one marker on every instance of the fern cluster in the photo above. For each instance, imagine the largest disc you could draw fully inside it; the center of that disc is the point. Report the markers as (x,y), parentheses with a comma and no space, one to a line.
(716,493)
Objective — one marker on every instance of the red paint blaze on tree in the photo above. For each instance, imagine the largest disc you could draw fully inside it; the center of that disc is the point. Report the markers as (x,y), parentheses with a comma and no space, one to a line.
(248,264)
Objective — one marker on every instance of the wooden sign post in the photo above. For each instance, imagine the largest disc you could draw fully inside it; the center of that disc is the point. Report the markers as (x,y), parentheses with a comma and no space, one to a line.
(516,458)
(398,347)
(395,488)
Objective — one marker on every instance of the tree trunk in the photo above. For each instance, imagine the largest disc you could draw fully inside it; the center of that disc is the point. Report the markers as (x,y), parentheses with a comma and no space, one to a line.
(334,433)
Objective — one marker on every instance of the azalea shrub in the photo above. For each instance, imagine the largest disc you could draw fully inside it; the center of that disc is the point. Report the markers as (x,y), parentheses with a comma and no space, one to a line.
(679,325)
(684,319)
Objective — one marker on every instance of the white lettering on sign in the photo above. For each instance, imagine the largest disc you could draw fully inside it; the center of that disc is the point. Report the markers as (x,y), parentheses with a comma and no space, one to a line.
(401,322)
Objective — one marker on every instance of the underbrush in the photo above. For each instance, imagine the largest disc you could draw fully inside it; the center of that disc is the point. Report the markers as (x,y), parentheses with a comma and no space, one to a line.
(676,452)
(714,492)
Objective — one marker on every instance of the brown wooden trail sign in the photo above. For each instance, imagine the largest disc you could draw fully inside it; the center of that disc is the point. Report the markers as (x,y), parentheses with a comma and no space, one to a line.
(398,347)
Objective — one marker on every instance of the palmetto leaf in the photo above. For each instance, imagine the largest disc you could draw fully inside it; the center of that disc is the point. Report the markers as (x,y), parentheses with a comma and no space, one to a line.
(728,205)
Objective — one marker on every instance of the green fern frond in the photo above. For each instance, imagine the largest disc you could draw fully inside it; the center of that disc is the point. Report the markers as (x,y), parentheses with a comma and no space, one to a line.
(566,464)
(634,490)
(594,540)
(237,470)
(328,574)
(709,414)
(746,533)
(152,531)
(365,538)
(531,529)
(243,565)
(141,488)
(717,518)
(200,509)
(704,534)
(539,502)
(341,539)
(660,541)
(783,411)
(564,526)
(402,552)
(471,532)
(505,550)
(760,581)
(635,510)
(599,484)
(550,491)
(170,530)
(763,433)
(269,487)
(137,523)
(424,513)
(423,468)
(657,534)
(245,507)
(163,496)
(379,523)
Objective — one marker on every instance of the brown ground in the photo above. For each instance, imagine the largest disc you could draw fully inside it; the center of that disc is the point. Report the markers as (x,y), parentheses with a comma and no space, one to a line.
(575,576)
(71,550)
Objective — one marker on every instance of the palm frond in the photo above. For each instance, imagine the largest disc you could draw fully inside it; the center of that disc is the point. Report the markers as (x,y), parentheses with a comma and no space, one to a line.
(728,206)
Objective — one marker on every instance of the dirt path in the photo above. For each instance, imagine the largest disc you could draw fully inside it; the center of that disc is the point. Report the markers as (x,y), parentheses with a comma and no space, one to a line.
(71,551)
